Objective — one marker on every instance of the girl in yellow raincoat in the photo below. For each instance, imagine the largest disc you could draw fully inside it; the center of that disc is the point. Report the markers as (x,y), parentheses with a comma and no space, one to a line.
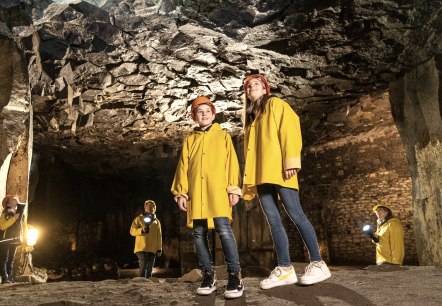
(389,237)
(206,186)
(272,145)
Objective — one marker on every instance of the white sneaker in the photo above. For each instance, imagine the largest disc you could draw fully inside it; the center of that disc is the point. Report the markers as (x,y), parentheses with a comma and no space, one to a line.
(315,272)
(280,276)
(235,287)
(208,285)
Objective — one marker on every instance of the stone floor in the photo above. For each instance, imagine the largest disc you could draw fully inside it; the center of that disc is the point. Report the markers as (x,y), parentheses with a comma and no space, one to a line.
(372,285)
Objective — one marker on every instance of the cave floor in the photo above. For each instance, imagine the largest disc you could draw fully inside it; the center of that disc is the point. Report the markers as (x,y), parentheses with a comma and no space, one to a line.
(372,285)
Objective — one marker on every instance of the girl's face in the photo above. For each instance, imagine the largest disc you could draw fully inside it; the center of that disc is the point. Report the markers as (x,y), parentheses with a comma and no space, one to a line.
(12,204)
(255,89)
(204,115)
(381,213)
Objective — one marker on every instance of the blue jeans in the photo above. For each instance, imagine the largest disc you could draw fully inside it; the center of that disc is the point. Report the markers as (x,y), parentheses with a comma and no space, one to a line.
(7,255)
(147,260)
(228,243)
(268,196)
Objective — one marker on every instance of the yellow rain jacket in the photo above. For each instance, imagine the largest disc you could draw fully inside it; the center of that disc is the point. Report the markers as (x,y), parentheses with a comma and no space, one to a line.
(150,242)
(272,144)
(390,247)
(10,227)
(207,172)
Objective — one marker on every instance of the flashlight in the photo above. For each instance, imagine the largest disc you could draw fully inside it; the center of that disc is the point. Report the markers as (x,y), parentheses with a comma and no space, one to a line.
(149,218)
(367,230)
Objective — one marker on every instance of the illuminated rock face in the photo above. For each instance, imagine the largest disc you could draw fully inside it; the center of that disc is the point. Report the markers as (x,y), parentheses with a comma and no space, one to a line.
(110,87)
(121,76)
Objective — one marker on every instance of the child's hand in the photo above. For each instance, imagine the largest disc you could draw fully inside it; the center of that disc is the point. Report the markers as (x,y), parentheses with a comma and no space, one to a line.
(289,173)
(182,203)
(233,199)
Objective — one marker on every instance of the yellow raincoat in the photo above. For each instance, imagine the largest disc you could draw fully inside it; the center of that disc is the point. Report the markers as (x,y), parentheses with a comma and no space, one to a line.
(272,144)
(207,172)
(390,247)
(150,242)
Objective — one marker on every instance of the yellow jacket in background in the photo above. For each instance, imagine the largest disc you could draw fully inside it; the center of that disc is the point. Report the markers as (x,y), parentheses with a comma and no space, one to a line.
(390,247)
(272,144)
(207,172)
(150,242)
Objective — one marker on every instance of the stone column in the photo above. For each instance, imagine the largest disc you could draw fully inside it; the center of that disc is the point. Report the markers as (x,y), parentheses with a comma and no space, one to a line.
(416,108)
(15,125)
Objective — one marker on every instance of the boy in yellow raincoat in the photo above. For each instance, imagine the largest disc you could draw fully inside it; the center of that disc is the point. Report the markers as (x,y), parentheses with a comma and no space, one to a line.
(146,229)
(206,186)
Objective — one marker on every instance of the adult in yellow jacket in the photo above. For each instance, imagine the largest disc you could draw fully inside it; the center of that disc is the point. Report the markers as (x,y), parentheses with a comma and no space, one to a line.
(206,186)
(272,151)
(10,234)
(390,237)
(146,229)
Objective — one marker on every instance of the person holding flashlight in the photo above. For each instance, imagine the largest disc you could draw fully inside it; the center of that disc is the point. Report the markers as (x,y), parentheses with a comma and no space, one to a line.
(146,229)
(10,236)
(389,236)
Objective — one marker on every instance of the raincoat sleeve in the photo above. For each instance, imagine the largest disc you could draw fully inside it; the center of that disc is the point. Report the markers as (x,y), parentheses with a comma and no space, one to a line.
(397,242)
(232,167)
(180,185)
(136,229)
(5,223)
(289,133)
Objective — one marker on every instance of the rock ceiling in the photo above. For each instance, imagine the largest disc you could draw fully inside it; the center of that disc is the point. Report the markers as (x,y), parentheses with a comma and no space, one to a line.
(114,83)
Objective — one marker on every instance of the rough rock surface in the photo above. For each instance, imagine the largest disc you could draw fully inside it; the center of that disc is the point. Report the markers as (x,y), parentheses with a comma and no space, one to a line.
(374,285)
(119,79)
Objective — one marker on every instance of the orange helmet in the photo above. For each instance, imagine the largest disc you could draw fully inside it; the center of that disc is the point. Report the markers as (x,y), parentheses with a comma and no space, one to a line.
(197,102)
(259,77)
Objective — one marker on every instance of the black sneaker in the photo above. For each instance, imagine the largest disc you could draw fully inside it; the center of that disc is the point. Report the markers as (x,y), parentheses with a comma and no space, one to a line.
(235,287)
(208,285)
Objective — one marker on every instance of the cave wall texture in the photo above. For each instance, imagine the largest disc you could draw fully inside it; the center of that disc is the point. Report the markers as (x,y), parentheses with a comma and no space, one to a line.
(110,84)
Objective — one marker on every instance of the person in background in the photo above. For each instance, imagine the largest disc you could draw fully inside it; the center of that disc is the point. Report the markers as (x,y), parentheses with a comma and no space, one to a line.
(389,237)
(10,236)
(146,229)
(272,152)
(206,186)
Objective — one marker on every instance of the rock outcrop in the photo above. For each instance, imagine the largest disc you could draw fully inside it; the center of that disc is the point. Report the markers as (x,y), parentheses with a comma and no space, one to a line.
(120,78)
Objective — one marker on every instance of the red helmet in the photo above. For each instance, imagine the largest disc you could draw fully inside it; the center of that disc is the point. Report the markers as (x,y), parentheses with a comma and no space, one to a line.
(7,198)
(259,77)
(197,102)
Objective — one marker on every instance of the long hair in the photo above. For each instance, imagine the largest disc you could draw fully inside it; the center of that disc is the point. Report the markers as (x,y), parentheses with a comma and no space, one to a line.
(253,110)
(388,216)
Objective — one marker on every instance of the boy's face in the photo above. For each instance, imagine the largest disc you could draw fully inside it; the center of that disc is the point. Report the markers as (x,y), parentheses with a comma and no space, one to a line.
(148,207)
(204,115)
